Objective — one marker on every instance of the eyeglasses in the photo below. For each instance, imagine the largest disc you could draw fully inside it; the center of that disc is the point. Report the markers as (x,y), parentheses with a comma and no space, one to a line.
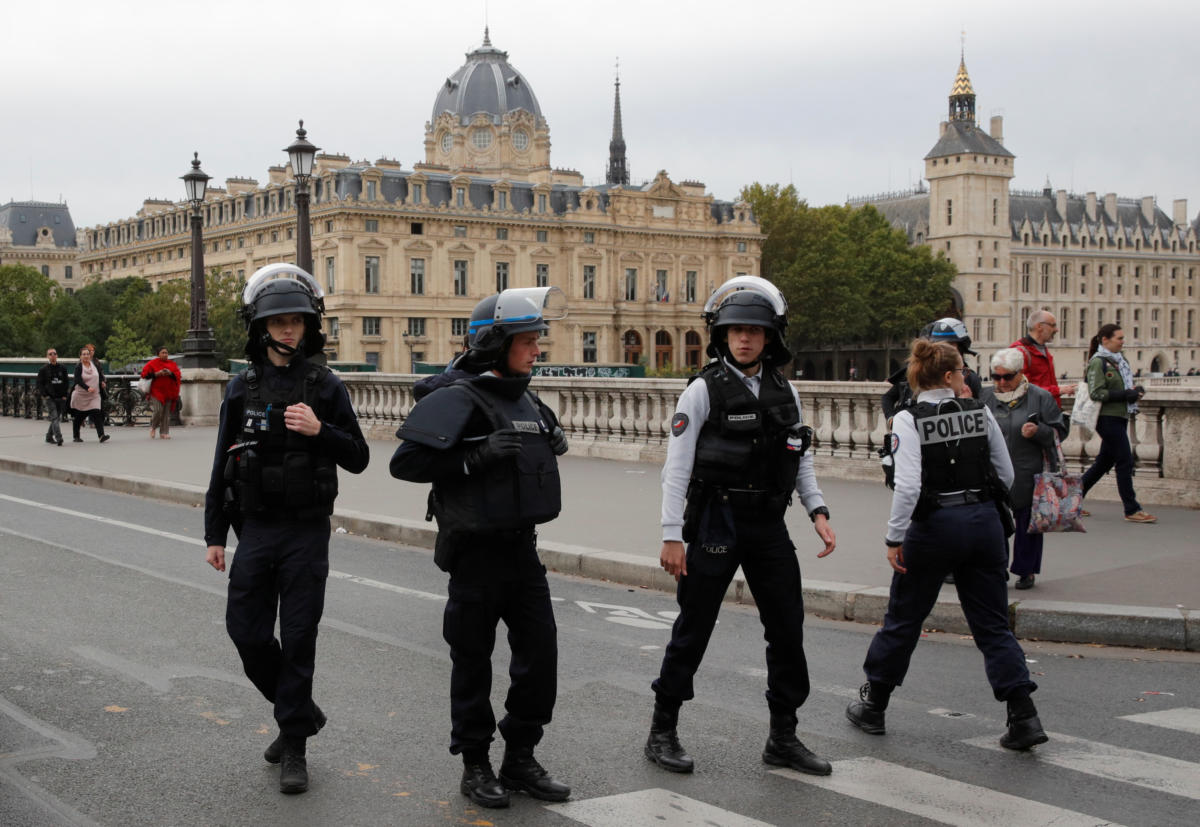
(1003,377)
(963,370)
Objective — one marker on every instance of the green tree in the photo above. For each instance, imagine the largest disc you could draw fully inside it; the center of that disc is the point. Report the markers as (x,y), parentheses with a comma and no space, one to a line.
(161,318)
(103,302)
(124,346)
(224,295)
(64,326)
(25,297)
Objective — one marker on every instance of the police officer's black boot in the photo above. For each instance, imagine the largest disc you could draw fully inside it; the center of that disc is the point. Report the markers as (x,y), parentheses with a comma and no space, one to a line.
(785,750)
(663,747)
(1024,727)
(293,770)
(867,712)
(479,782)
(274,751)
(521,772)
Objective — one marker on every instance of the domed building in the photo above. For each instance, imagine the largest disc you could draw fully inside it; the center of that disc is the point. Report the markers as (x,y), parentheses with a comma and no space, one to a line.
(405,254)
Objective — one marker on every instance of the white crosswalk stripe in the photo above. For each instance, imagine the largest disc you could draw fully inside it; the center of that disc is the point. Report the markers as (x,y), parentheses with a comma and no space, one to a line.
(1184,719)
(936,798)
(1130,766)
(653,806)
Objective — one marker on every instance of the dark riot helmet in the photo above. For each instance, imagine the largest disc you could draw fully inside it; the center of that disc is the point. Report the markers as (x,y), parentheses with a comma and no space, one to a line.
(748,300)
(949,330)
(275,290)
(498,318)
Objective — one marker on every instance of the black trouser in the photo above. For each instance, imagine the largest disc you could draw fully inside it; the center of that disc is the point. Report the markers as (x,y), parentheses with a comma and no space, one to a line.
(500,578)
(1114,451)
(768,559)
(55,409)
(96,416)
(968,541)
(280,565)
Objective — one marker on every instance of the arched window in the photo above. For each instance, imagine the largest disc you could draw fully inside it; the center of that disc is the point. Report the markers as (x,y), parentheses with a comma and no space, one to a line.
(692,349)
(632,341)
(663,352)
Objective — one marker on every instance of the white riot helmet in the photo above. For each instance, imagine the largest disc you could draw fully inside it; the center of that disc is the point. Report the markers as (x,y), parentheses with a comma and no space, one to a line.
(748,300)
(273,291)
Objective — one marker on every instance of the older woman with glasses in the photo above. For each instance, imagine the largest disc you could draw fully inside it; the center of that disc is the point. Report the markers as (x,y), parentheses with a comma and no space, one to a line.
(1029,418)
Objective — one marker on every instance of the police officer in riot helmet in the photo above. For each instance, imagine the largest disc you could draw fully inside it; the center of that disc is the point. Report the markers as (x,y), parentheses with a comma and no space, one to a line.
(949,329)
(949,513)
(737,453)
(286,425)
(489,447)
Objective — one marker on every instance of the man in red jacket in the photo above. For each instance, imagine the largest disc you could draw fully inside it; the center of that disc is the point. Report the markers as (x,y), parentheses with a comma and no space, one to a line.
(1039,364)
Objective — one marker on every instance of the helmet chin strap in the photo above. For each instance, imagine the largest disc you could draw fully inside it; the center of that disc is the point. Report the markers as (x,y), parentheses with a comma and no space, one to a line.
(280,347)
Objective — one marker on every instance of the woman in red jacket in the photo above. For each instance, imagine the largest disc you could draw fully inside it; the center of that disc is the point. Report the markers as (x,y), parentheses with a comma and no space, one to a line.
(164,390)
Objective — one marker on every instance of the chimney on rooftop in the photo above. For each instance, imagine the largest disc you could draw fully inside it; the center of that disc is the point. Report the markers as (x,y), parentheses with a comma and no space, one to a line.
(997,128)
(1148,209)
(1090,206)
(1180,212)
(1110,205)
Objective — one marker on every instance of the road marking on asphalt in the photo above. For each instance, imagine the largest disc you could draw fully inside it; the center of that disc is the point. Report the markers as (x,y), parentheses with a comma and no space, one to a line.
(1129,766)
(388,587)
(1184,719)
(99,518)
(653,806)
(936,797)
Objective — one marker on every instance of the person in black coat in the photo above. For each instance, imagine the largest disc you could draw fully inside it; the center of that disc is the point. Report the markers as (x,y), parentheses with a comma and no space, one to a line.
(54,385)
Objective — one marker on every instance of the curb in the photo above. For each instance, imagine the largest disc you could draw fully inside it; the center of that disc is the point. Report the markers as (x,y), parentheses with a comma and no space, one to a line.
(1145,627)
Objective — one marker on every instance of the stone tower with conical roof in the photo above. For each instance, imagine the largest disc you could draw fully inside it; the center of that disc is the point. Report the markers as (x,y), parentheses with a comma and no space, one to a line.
(969,171)
(618,172)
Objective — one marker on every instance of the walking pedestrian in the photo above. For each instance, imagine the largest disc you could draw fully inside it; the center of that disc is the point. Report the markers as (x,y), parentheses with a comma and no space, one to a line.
(286,426)
(53,384)
(164,391)
(87,395)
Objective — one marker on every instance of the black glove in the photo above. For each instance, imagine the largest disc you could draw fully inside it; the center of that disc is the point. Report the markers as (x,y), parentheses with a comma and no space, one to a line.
(497,447)
(1124,395)
(1138,392)
(558,441)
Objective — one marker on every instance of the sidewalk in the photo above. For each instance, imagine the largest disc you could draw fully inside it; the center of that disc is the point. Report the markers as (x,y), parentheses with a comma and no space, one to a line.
(1119,584)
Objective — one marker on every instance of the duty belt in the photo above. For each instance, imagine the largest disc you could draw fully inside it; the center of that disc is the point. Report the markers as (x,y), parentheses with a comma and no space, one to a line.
(962,498)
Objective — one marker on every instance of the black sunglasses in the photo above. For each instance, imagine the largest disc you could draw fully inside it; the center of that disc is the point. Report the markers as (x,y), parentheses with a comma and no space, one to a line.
(997,377)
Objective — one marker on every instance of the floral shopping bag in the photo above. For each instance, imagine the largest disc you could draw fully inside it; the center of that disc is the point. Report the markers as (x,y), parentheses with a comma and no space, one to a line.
(1057,498)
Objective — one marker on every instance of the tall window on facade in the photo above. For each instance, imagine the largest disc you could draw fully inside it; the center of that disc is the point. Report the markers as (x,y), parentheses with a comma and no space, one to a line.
(689,286)
(991,330)
(949,211)
(691,349)
(589,346)
(416,271)
(460,277)
(330,275)
(995,211)
(630,284)
(543,275)
(589,281)
(416,327)
(632,341)
(502,200)
(460,327)
(1083,331)
(372,225)
(371,190)
(501,276)
(46,269)
(589,237)
(661,292)
(502,233)
(371,326)
(460,197)
(541,202)
(372,274)
(417,193)
(663,351)
(69,272)
(542,236)
(332,328)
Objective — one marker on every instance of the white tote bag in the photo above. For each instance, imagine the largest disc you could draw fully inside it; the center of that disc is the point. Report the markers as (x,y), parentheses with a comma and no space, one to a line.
(1086,411)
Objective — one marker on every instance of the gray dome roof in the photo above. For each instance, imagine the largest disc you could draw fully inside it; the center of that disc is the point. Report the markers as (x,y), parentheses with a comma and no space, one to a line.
(485,83)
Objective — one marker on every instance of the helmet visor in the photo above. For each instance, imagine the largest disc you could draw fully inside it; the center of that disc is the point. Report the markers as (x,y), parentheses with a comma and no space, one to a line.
(265,275)
(527,304)
(755,284)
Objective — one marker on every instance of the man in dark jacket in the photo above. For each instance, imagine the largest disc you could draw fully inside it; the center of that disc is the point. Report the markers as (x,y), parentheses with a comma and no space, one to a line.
(53,384)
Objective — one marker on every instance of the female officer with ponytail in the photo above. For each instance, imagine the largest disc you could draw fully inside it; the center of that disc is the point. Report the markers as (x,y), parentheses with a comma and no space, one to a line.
(952,476)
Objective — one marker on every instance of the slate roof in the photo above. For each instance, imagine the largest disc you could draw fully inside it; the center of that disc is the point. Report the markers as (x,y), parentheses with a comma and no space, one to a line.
(963,137)
(1042,210)
(25,217)
(486,83)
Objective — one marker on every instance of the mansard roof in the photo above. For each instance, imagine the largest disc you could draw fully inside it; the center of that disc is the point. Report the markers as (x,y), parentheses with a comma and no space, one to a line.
(965,137)
(24,218)
(1041,210)
(906,211)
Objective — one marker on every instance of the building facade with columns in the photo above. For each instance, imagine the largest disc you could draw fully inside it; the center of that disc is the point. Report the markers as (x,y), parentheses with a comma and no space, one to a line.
(41,235)
(405,254)
(1089,259)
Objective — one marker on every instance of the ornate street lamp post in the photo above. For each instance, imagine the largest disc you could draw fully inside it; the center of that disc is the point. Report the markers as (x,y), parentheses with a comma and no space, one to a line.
(199,347)
(301,154)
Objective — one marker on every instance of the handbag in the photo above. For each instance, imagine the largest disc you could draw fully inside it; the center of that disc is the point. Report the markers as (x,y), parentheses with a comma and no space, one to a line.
(1057,498)
(1085,412)
(144,384)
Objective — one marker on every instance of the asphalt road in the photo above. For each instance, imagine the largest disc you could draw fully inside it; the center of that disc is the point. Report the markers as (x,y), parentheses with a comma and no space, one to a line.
(122,702)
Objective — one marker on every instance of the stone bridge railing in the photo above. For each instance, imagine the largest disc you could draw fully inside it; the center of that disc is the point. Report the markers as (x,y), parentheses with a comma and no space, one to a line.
(630,419)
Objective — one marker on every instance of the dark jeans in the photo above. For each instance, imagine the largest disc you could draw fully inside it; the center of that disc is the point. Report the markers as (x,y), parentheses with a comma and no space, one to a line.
(55,409)
(96,417)
(280,566)
(481,594)
(1114,451)
(768,559)
(968,541)
(1026,547)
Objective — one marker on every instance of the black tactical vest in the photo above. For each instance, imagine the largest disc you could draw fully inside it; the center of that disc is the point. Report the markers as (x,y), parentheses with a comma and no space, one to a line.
(275,470)
(508,495)
(748,444)
(953,435)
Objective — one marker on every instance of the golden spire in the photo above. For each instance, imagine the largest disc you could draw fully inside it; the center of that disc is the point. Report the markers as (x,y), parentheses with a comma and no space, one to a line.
(962,82)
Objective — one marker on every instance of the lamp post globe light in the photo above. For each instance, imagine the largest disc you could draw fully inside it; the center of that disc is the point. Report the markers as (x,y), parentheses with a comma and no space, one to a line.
(200,346)
(301,154)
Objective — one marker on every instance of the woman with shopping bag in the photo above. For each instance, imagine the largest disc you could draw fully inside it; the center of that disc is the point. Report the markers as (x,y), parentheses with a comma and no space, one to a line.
(164,376)
(1030,420)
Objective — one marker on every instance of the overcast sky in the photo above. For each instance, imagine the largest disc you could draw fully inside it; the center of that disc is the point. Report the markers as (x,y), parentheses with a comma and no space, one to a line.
(104,102)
